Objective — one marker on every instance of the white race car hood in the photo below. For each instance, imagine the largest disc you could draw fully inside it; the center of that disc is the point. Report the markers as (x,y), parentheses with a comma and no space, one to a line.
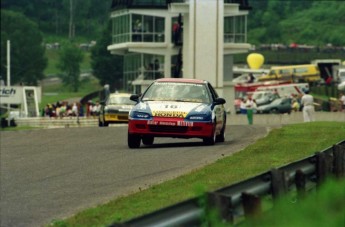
(174,109)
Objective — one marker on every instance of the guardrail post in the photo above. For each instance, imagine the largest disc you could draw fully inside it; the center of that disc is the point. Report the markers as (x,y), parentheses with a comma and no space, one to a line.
(339,161)
(300,181)
(324,164)
(251,205)
(222,204)
(279,183)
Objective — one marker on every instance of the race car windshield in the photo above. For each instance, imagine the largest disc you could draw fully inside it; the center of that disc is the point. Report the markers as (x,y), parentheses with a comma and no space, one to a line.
(119,100)
(184,92)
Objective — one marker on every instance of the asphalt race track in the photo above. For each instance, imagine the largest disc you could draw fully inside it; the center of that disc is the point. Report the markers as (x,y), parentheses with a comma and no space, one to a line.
(54,173)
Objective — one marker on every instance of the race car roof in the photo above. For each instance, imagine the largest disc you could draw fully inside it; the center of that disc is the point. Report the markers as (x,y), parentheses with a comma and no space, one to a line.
(181,80)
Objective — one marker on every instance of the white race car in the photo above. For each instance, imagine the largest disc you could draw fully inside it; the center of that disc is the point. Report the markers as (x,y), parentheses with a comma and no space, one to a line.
(177,108)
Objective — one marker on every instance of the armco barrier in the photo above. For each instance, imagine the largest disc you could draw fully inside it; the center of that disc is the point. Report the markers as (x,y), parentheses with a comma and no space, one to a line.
(243,199)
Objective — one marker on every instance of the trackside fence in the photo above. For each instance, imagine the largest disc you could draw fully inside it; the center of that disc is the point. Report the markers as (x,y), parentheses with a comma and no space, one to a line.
(243,200)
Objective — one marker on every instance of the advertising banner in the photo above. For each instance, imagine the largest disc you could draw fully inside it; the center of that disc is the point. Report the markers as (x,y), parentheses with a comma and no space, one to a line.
(11,95)
(28,97)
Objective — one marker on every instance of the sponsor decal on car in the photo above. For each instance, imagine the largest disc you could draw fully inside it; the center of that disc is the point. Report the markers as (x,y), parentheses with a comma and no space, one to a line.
(171,123)
(178,114)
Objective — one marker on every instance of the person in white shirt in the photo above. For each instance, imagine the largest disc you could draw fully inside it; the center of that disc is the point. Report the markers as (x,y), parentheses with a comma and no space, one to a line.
(250,107)
(307,102)
(75,109)
(96,109)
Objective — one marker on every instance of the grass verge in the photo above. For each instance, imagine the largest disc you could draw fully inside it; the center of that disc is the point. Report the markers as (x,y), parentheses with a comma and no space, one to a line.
(280,147)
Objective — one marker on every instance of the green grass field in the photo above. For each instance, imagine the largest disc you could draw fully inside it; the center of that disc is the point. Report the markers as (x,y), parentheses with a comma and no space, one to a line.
(280,147)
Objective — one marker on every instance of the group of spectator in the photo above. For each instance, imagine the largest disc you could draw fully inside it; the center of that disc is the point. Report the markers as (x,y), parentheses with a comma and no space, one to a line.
(62,109)
(93,109)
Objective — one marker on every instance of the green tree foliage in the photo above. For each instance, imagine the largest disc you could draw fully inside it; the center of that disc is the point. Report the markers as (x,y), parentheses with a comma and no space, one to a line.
(69,62)
(270,21)
(106,67)
(53,17)
(26,52)
(303,22)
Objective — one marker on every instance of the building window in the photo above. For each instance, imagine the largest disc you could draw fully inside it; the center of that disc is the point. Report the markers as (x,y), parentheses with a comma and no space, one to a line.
(142,67)
(235,29)
(121,29)
(138,28)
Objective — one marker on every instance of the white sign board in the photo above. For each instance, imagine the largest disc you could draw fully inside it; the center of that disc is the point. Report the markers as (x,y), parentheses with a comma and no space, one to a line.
(26,96)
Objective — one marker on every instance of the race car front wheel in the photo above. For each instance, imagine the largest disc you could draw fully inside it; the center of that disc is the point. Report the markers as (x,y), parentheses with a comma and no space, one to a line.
(221,136)
(148,140)
(212,139)
(133,141)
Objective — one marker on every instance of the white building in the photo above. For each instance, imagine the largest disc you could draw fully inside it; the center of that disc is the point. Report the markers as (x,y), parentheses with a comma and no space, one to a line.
(211,32)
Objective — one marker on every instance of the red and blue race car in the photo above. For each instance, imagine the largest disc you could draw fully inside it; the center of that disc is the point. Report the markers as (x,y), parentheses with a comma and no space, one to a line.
(177,108)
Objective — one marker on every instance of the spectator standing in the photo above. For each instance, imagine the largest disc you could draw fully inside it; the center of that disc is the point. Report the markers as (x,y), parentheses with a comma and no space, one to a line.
(176,32)
(342,101)
(89,109)
(295,105)
(250,107)
(307,102)
(96,109)
(75,109)
(243,109)
(251,78)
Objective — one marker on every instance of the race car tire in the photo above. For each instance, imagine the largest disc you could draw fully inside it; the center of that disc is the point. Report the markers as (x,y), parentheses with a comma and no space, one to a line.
(221,136)
(212,139)
(133,141)
(148,140)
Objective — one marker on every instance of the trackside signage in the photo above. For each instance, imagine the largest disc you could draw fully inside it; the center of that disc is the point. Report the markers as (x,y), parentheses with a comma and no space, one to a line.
(27,97)
(12,95)
(15,94)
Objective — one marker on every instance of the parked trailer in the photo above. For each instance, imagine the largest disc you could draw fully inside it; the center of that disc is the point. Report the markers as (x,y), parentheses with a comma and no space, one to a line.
(287,90)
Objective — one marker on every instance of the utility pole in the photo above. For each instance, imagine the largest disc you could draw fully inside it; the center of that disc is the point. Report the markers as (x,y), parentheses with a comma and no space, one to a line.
(71,23)
(8,80)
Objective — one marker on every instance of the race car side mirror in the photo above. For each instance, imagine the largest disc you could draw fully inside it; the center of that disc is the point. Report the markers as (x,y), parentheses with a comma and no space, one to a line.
(134,98)
(219,101)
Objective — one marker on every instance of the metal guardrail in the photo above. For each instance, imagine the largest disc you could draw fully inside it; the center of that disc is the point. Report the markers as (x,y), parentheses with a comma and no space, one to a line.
(242,199)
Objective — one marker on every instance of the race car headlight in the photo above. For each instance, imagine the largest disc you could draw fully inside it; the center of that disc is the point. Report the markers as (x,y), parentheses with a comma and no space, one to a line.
(140,115)
(199,117)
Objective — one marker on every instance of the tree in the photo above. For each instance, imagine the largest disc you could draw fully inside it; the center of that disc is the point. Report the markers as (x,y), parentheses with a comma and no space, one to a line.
(106,67)
(53,17)
(27,53)
(69,62)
